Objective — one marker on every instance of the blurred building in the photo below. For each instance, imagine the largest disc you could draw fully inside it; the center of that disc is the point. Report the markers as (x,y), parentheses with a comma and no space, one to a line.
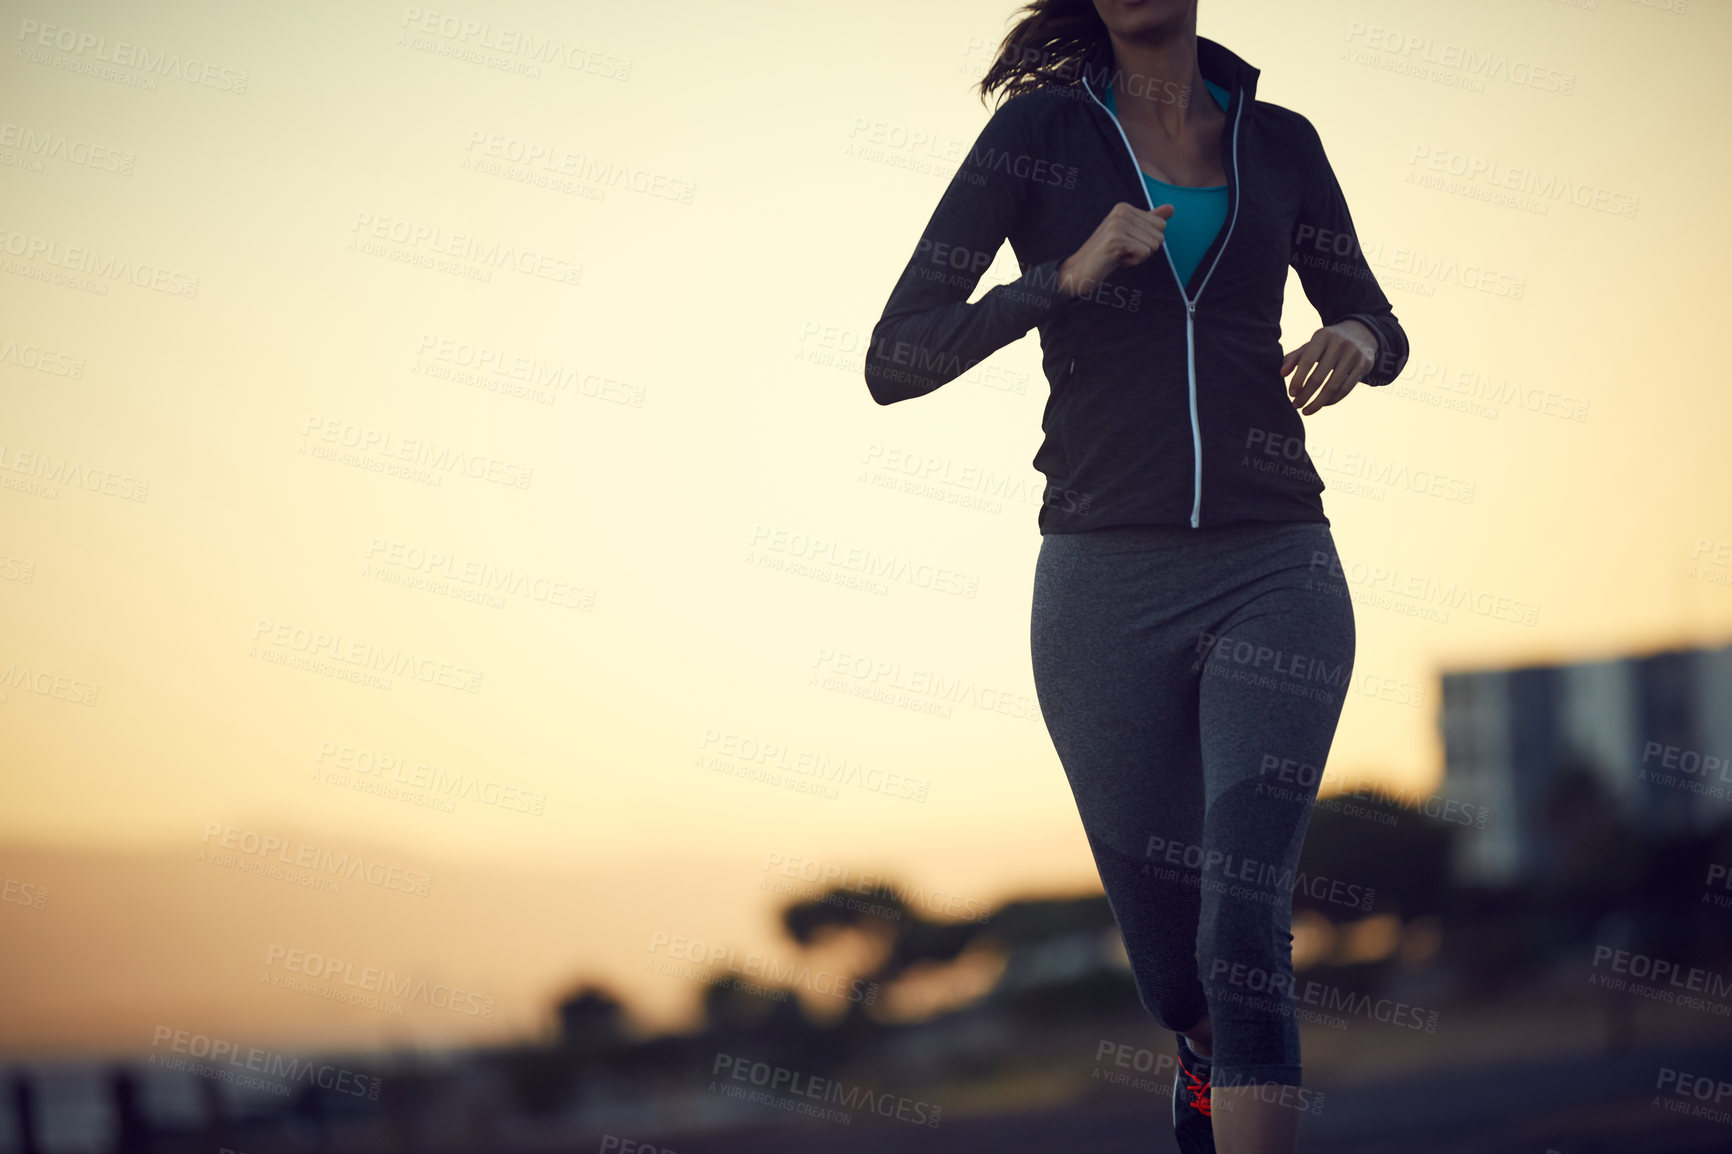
(1653,730)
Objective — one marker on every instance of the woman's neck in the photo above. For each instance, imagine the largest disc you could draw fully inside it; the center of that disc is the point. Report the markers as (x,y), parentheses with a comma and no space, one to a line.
(1156,78)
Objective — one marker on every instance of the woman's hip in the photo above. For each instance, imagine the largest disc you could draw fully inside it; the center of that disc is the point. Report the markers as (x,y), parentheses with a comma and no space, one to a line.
(1161,573)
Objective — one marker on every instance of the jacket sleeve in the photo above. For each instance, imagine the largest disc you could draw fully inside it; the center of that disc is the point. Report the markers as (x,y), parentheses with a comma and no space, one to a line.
(930,333)
(1334,272)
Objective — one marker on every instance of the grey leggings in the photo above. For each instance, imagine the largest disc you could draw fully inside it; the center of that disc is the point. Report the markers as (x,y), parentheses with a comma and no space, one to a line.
(1191,680)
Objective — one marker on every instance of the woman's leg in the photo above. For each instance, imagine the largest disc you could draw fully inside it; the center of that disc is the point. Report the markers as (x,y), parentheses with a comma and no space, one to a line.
(1275,670)
(1186,678)
(1120,703)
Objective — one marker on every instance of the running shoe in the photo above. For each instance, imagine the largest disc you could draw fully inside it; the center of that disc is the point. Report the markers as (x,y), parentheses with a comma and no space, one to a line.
(1191,1125)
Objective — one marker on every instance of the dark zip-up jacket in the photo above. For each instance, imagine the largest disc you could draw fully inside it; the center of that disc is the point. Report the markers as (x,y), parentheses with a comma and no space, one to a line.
(1167,402)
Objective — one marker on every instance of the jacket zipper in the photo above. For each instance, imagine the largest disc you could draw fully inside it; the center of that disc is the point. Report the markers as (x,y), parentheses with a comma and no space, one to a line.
(1190,301)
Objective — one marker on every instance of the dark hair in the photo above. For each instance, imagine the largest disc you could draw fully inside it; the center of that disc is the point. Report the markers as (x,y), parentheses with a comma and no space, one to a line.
(1052,46)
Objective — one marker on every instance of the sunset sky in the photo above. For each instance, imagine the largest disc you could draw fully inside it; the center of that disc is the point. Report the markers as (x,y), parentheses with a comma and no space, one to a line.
(254,595)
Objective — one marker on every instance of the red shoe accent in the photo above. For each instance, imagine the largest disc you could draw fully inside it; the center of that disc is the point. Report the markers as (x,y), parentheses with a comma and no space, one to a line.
(1198,1088)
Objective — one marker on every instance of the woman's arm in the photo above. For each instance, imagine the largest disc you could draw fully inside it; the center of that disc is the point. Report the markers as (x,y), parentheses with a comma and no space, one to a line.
(1333,270)
(930,333)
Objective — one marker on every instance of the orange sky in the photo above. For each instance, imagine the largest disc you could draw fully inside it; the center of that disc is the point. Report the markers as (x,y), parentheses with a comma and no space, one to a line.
(598,604)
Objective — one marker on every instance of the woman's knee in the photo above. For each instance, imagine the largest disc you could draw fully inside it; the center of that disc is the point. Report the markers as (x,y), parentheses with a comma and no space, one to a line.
(1244,948)
(1177,1004)
(1249,975)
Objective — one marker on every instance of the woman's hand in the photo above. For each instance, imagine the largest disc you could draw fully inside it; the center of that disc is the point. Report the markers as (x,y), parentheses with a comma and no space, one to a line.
(1125,235)
(1343,352)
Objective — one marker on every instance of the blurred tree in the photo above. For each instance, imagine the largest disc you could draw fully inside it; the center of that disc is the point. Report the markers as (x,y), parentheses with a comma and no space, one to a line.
(1055,947)
(591,1033)
(734,1009)
(591,1020)
(1400,853)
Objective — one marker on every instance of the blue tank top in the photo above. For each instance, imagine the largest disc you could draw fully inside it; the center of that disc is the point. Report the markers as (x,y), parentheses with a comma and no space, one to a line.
(1198,213)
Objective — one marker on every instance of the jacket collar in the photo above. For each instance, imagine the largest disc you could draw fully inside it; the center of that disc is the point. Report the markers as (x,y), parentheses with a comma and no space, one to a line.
(1226,68)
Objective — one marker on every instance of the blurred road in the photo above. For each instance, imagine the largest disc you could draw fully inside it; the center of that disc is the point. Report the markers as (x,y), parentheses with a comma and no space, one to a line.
(1595,1105)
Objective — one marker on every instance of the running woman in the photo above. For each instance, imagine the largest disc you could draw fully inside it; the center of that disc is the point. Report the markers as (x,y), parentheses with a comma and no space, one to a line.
(1191,636)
